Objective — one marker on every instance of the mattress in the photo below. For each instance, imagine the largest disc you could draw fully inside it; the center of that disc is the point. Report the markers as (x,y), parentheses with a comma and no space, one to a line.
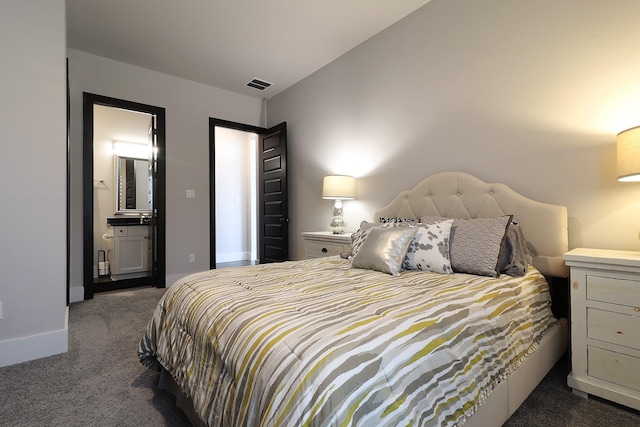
(318,343)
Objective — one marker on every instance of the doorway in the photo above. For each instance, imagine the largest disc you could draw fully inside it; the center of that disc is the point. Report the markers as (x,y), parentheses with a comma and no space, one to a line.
(123,194)
(235,197)
(257,188)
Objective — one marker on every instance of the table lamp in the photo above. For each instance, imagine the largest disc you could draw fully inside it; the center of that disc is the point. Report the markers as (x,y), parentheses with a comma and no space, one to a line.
(338,188)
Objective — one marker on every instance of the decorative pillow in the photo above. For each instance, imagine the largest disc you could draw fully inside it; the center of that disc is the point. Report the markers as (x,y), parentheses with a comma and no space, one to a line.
(384,249)
(514,258)
(384,220)
(429,249)
(475,244)
(358,238)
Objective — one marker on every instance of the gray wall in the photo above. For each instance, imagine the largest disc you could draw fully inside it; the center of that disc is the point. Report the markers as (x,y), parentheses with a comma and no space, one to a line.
(530,94)
(188,108)
(32,180)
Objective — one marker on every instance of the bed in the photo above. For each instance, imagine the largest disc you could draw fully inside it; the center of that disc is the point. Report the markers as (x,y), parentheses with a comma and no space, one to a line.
(353,341)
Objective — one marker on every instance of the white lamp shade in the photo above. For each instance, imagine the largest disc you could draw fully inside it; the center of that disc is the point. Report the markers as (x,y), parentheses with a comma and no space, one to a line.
(628,154)
(341,187)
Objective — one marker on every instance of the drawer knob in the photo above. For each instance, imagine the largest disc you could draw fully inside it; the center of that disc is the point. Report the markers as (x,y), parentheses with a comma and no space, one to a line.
(325,250)
(620,333)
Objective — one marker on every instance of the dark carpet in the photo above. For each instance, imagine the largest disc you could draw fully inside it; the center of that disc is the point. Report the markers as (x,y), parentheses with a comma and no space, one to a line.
(100,382)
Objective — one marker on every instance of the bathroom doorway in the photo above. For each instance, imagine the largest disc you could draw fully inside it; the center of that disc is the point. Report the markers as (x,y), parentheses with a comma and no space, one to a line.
(123,194)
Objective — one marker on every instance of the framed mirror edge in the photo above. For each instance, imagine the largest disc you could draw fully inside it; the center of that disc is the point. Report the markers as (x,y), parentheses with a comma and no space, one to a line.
(118,211)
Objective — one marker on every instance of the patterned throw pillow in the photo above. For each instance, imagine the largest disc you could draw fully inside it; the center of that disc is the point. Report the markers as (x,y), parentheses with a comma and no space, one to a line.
(384,220)
(358,238)
(475,245)
(429,250)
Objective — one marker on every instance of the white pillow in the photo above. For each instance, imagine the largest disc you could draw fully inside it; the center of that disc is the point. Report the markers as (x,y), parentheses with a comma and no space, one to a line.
(429,249)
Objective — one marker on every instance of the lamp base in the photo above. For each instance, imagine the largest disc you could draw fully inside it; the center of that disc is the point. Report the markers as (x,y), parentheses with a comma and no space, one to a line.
(337,223)
(338,226)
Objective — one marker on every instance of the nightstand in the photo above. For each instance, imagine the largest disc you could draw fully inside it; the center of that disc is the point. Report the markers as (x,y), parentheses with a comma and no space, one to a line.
(324,243)
(605,324)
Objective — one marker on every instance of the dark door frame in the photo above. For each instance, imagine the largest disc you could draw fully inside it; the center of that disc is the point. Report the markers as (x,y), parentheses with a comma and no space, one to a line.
(213,123)
(89,100)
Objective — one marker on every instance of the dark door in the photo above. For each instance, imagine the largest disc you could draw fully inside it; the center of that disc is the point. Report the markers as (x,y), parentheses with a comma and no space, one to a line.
(273,216)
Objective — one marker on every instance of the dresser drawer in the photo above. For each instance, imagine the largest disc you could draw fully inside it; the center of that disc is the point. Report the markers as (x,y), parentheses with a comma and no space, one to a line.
(320,249)
(614,367)
(613,290)
(615,328)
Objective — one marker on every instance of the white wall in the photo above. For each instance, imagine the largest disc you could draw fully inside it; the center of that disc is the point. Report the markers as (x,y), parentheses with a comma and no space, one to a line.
(32,180)
(235,191)
(188,108)
(531,94)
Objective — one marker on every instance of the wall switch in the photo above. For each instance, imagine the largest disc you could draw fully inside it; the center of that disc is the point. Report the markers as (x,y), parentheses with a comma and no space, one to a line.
(191,194)
(192,257)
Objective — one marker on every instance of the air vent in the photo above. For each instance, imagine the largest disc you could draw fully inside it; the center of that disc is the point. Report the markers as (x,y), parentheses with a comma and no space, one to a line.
(258,84)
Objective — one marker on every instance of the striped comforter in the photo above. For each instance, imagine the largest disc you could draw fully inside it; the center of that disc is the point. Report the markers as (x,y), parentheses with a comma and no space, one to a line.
(318,343)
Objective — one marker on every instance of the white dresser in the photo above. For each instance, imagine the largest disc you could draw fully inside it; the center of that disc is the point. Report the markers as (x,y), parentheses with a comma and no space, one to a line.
(325,243)
(605,324)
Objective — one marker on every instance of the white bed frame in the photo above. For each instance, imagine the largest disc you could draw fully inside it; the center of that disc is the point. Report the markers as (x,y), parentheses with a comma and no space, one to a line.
(460,195)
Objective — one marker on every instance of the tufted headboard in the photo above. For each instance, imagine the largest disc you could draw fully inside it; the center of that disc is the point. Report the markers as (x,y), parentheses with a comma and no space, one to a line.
(460,195)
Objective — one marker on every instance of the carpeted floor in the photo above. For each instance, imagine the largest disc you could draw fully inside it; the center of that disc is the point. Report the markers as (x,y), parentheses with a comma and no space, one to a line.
(100,382)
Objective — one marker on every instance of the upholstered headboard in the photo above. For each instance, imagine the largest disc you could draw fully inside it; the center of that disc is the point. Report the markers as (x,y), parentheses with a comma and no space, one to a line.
(460,195)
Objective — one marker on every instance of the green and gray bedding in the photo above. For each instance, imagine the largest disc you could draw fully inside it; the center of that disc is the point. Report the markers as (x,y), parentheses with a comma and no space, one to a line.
(319,343)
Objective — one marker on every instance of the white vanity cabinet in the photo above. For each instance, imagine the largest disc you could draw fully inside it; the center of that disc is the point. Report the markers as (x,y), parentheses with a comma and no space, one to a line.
(130,254)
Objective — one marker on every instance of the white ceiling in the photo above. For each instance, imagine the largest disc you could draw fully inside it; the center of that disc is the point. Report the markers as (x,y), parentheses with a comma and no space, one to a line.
(226,43)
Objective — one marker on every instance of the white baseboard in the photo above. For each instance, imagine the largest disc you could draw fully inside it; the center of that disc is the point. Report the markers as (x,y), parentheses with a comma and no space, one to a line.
(23,349)
(76,293)
(233,256)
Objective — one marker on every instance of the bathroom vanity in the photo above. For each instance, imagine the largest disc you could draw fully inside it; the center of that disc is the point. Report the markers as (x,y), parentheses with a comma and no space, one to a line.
(130,251)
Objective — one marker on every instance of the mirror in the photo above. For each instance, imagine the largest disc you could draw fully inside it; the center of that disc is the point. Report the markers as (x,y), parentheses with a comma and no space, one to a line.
(133,185)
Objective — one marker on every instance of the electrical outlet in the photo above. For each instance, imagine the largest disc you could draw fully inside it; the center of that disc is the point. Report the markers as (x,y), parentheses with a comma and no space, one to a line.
(191,194)
(192,257)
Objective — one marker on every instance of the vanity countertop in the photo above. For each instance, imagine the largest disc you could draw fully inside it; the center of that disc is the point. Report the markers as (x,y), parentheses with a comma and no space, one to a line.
(127,220)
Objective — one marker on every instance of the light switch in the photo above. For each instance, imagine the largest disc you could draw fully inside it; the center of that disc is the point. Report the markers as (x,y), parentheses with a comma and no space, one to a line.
(191,194)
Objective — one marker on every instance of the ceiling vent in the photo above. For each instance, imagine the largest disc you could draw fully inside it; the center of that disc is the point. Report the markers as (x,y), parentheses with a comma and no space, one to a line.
(258,84)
